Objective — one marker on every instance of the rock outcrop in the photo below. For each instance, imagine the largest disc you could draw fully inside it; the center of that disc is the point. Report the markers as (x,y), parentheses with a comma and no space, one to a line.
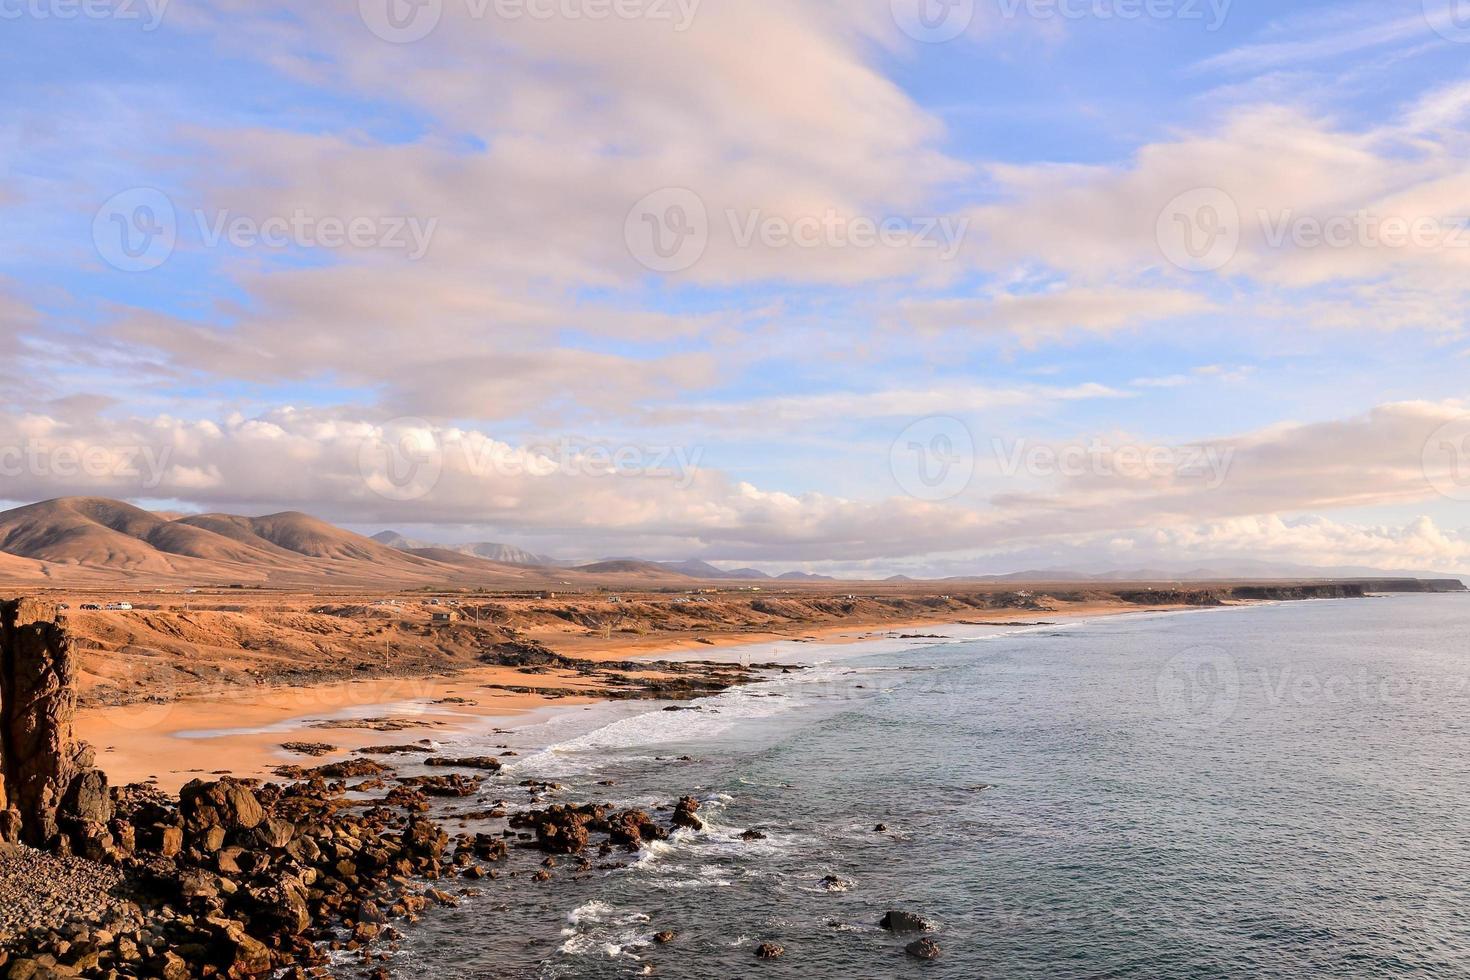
(51,796)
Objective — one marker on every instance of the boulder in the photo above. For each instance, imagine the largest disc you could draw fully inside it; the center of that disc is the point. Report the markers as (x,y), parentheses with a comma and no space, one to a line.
(923,949)
(172,967)
(562,830)
(424,839)
(228,804)
(905,922)
(273,834)
(631,828)
(281,909)
(684,814)
(244,955)
(88,800)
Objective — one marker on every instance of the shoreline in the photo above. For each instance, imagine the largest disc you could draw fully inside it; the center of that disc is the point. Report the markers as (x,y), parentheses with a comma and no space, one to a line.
(241,731)
(223,846)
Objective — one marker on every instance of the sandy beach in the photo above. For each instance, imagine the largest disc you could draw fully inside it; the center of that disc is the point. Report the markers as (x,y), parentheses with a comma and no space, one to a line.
(241,731)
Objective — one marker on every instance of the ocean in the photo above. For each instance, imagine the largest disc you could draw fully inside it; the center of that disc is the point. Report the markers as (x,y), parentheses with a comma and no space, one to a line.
(1267,791)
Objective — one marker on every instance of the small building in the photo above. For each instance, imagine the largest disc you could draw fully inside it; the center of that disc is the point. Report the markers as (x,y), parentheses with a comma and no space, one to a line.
(445,617)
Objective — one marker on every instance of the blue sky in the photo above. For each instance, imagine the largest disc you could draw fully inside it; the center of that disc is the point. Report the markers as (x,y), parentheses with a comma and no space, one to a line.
(502,302)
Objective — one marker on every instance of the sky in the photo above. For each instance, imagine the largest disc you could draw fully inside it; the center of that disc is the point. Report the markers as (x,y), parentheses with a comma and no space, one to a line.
(855,286)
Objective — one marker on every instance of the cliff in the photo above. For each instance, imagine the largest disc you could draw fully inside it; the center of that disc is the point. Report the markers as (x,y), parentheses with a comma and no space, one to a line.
(50,794)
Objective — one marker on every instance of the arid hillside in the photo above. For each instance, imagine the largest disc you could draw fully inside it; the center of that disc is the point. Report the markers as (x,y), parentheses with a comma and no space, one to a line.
(170,643)
(93,541)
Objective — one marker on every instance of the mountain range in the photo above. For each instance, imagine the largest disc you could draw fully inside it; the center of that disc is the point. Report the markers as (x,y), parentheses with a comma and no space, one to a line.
(95,541)
(505,553)
(692,568)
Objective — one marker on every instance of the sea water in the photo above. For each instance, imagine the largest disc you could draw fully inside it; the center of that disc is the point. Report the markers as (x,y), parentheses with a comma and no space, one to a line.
(1267,791)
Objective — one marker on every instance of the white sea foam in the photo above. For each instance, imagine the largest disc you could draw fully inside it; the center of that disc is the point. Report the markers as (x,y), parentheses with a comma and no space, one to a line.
(717,716)
(600,928)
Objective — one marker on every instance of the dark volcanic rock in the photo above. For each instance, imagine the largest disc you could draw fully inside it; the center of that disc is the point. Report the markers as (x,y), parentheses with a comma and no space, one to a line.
(525,653)
(684,814)
(50,795)
(561,829)
(346,769)
(89,800)
(769,951)
(474,762)
(923,949)
(632,828)
(228,805)
(451,785)
(314,749)
(905,922)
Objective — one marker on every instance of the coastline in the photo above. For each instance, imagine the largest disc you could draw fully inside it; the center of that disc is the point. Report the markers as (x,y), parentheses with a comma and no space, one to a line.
(651,782)
(240,731)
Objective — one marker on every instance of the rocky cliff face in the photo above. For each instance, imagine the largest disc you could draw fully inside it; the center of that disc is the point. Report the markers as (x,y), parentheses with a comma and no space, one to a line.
(50,794)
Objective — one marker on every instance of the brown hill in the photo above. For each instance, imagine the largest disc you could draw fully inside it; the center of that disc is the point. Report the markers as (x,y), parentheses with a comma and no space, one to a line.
(97,542)
(96,532)
(298,534)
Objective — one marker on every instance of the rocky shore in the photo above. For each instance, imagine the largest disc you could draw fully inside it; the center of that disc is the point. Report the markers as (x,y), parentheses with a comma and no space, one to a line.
(238,878)
(234,880)
(38,889)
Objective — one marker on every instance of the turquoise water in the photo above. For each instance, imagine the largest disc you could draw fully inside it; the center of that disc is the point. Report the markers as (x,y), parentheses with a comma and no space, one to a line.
(1277,791)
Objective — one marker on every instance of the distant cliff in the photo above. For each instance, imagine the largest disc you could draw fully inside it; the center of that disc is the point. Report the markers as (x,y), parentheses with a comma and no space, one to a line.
(1285,591)
(1415,585)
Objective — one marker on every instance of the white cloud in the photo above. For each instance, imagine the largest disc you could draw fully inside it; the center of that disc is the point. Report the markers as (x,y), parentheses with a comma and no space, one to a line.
(1416,546)
(661,497)
(1326,215)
